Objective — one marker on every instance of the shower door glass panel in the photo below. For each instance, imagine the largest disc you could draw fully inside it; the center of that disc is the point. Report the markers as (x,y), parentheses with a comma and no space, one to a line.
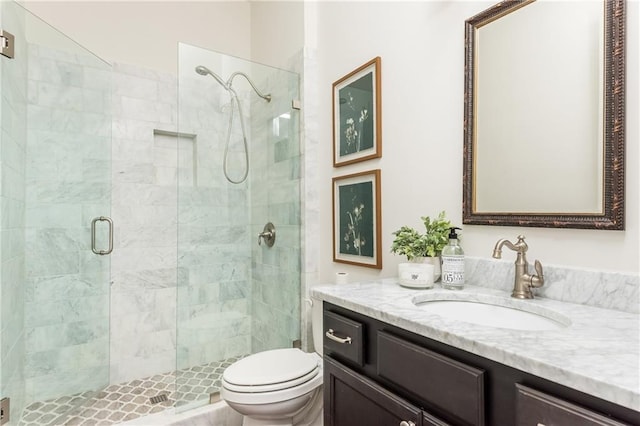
(235,297)
(56,175)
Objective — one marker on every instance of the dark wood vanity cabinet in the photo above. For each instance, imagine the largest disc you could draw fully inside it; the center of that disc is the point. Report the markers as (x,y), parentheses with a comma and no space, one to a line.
(378,374)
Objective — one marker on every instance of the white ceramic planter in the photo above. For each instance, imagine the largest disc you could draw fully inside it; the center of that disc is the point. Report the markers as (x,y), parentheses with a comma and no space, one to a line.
(435,261)
(416,275)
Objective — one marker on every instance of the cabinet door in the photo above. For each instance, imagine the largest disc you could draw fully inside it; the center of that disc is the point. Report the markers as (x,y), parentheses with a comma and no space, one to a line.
(351,399)
(535,408)
(449,387)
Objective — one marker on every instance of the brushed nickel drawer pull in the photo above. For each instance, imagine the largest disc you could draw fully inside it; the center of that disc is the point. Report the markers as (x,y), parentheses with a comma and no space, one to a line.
(335,338)
(407,423)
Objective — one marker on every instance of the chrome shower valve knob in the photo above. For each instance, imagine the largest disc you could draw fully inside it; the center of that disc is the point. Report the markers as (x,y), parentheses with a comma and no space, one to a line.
(268,235)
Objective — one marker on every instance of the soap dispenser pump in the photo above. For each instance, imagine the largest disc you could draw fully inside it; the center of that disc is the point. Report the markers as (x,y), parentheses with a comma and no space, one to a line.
(453,262)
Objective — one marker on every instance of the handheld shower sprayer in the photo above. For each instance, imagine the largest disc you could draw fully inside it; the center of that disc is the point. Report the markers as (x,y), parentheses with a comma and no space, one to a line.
(202,70)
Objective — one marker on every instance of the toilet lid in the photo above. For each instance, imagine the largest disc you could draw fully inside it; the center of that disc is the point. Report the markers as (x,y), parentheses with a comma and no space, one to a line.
(278,366)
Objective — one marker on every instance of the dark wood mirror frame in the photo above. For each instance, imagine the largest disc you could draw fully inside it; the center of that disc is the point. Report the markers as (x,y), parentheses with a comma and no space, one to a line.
(612,217)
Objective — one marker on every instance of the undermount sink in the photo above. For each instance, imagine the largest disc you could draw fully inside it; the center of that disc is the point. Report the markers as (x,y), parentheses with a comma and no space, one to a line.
(494,313)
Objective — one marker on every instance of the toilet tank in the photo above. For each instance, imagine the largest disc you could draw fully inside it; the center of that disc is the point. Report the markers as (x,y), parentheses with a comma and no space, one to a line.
(316,324)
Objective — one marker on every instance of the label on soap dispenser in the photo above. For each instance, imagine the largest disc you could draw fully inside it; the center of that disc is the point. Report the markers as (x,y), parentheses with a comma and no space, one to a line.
(453,270)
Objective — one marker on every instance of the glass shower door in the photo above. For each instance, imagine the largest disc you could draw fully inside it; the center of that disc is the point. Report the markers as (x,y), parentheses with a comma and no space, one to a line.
(56,196)
(235,296)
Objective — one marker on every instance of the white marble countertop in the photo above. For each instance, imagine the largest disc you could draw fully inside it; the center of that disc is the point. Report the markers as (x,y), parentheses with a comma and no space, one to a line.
(598,353)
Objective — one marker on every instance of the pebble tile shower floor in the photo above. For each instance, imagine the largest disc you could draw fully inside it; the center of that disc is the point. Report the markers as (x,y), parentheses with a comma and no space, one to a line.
(127,401)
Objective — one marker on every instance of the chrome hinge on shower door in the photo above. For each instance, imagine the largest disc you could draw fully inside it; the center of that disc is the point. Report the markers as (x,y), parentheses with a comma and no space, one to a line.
(6,44)
(5,408)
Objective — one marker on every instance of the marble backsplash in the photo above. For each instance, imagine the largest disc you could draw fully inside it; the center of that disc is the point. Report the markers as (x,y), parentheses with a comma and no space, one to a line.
(609,290)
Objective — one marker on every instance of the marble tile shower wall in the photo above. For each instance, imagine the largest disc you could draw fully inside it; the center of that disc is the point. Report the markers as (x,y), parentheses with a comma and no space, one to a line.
(275,197)
(144,196)
(68,176)
(214,258)
(306,64)
(13,140)
(200,246)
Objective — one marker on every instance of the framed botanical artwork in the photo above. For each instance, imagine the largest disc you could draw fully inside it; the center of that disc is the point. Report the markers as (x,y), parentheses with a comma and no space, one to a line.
(357,134)
(356,219)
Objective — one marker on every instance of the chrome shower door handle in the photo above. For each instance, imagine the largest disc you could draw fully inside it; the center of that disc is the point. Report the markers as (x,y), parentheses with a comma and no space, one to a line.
(93,235)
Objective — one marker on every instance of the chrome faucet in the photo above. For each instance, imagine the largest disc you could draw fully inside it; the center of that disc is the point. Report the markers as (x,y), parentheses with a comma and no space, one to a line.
(523,280)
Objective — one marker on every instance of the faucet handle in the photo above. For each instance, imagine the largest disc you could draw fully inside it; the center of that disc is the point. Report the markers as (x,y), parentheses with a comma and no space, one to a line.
(538,279)
(538,267)
(268,234)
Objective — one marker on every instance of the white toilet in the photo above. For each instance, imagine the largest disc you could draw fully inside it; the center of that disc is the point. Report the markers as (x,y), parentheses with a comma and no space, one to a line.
(280,386)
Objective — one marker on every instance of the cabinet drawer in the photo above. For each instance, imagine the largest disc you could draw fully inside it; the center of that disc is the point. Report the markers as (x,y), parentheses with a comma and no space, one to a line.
(447,385)
(534,408)
(343,338)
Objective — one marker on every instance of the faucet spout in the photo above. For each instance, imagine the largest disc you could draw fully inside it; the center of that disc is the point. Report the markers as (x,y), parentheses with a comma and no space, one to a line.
(520,246)
(523,281)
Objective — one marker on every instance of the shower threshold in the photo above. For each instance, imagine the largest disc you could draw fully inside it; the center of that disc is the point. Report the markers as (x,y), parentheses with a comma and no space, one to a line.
(130,400)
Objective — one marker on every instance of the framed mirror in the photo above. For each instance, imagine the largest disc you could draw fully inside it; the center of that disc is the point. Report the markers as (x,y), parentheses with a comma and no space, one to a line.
(544,115)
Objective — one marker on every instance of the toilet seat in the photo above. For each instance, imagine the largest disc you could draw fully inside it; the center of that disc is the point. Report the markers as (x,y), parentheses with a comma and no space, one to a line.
(272,387)
(272,376)
(271,371)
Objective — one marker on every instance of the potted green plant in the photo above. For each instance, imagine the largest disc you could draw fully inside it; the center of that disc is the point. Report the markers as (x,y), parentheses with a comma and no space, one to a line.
(425,247)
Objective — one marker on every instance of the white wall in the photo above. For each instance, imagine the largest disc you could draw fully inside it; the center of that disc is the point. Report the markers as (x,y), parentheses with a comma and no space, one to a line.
(277,31)
(146,33)
(422,50)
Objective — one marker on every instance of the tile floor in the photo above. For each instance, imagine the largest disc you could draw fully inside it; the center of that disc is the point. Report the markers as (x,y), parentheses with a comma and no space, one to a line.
(130,400)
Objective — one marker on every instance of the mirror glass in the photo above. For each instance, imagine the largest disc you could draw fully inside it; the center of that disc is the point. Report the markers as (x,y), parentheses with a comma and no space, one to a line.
(542,91)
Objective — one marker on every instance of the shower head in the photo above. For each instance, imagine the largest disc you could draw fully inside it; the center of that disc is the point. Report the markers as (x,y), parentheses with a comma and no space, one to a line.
(202,70)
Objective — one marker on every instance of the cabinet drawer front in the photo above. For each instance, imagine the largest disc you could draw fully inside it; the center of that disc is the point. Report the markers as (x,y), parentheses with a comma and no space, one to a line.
(343,338)
(536,408)
(446,384)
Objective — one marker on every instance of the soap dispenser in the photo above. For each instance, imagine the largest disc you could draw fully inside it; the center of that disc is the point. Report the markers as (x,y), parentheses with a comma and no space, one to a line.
(453,263)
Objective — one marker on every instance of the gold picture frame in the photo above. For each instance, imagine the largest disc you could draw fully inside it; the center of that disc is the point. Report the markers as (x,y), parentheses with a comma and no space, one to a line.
(357,219)
(357,117)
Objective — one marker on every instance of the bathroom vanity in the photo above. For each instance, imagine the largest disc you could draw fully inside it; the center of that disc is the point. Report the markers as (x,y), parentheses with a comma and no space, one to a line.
(388,361)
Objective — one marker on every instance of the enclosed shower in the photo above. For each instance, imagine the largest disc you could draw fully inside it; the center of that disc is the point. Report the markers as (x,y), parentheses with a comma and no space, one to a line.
(89,334)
